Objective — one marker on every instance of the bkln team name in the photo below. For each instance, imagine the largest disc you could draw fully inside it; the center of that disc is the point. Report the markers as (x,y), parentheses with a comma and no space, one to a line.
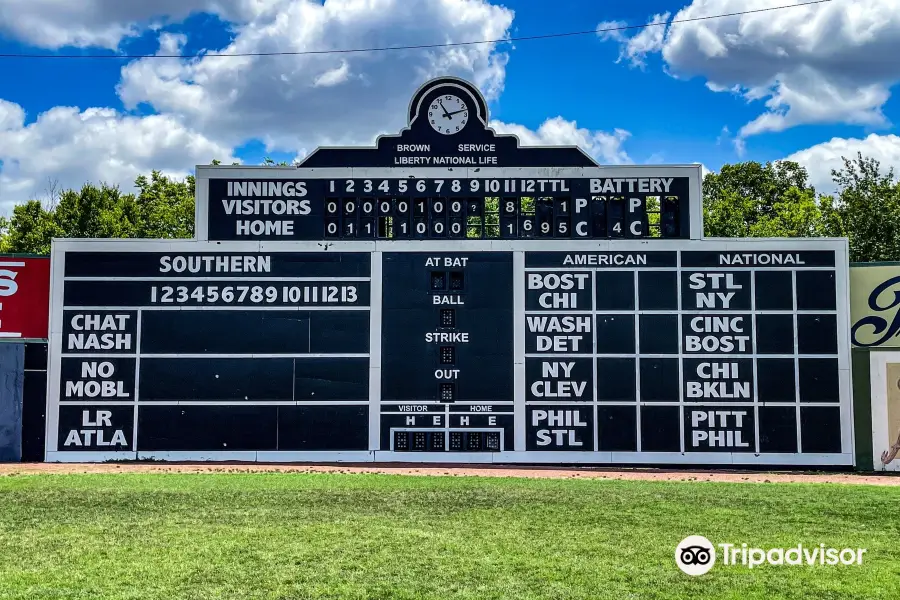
(718,389)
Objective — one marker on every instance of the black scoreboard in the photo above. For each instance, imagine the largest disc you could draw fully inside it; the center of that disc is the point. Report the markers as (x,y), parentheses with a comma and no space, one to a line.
(449,296)
(701,352)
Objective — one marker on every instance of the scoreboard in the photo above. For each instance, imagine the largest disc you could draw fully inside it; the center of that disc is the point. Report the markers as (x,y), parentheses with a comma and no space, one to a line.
(447,296)
(704,352)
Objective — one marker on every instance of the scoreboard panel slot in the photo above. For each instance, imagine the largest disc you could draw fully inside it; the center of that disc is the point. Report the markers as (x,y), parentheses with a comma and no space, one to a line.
(225,332)
(217,379)
(313,427)
(207,428)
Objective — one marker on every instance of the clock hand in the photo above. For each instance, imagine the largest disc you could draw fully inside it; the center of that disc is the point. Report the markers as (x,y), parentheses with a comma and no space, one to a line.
(446,114)
(456,112)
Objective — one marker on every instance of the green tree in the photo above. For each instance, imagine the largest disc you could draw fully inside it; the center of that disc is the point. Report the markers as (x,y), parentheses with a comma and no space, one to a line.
(750,199)
(868,209)
(95,212)
(29,230)
(164,207)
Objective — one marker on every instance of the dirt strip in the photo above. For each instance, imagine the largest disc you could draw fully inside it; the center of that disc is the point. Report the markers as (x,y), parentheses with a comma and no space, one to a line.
(735,476)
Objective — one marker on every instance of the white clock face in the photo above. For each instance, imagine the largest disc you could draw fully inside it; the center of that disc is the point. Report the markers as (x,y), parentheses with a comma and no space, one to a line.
(448,114)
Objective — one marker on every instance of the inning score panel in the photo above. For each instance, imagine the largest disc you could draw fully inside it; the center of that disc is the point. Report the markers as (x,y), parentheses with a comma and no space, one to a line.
(448,208)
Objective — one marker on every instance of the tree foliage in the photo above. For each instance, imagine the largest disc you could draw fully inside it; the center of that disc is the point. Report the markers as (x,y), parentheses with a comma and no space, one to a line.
(869,209)
(161,208)
(747,199)
(750,199)
(775,200)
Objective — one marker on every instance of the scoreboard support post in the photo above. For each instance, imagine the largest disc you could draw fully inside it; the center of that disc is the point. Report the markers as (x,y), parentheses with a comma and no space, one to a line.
(449,296)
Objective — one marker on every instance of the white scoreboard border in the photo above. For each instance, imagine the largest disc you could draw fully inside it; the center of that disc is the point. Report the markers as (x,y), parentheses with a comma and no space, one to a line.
(206,172)
(518,247)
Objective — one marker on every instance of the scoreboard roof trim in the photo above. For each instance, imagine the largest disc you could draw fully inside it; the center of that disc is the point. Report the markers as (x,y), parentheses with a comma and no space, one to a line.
(656,245)
(254,171)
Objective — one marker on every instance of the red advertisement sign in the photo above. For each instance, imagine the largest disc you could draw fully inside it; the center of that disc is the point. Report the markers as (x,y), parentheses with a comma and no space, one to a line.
(24,297)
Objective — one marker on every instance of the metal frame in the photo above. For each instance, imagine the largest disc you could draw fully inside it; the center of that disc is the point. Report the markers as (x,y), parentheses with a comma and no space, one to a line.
(518,247)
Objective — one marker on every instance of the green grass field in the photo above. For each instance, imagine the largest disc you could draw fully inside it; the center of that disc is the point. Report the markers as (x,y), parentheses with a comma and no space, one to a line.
(191,536)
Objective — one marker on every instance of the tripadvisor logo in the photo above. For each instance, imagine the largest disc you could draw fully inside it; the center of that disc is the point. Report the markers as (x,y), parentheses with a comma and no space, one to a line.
(696,555)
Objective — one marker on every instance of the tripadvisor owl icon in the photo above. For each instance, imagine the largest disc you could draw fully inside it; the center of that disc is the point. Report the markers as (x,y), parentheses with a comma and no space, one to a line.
(695,555)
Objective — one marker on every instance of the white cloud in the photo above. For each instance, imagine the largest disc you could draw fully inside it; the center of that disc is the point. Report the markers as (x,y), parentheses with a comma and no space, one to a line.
(54,24)
(637,47)
(303,101)
(605,147)
(612,30)
(71,147)
(333,76)
(825,63)
(208,106)
(820,159)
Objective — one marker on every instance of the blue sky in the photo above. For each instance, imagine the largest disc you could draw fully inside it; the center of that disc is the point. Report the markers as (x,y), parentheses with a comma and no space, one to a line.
(810,83)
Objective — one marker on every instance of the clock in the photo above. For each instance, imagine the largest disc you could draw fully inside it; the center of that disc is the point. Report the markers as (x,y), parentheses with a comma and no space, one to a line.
(448,114)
